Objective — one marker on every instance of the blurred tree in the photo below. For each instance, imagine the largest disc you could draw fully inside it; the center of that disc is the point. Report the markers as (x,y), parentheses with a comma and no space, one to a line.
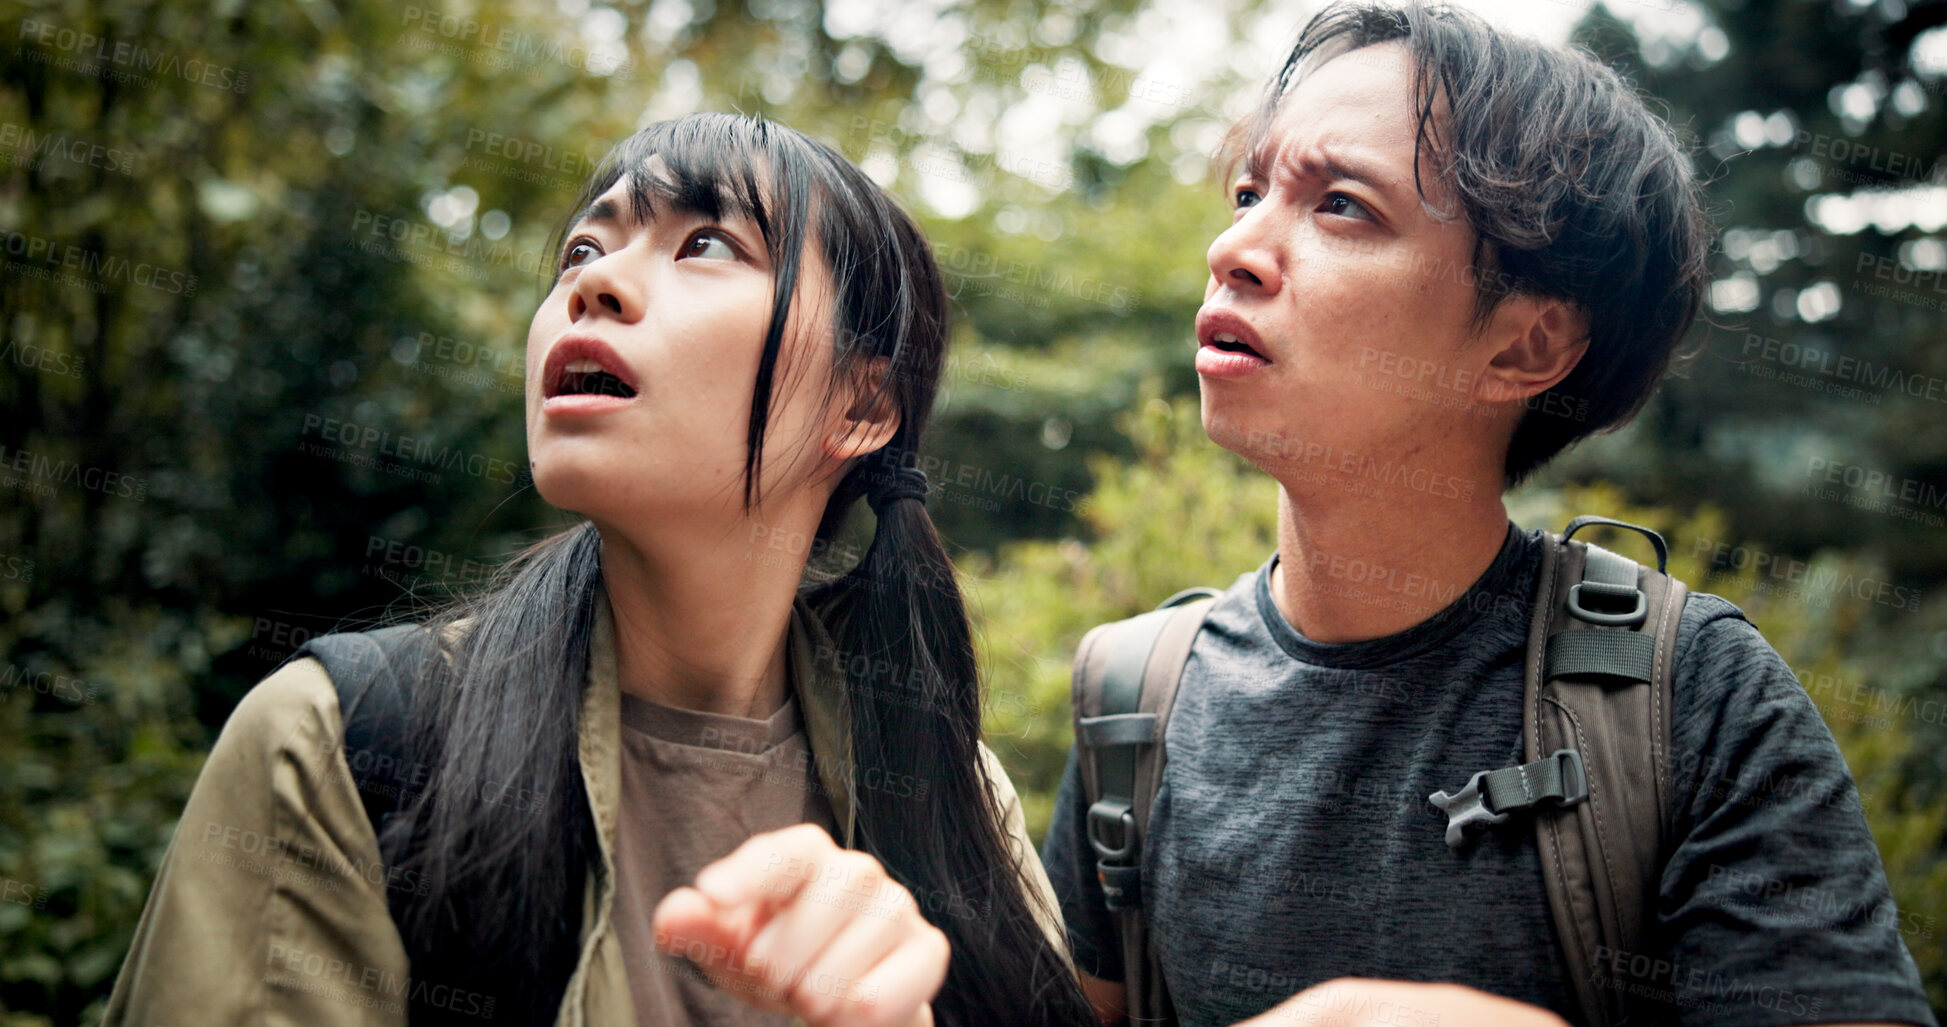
(1815,414)
(1819,127)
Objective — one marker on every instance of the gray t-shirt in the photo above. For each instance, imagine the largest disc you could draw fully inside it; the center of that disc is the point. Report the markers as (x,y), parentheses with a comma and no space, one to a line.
(1292,842)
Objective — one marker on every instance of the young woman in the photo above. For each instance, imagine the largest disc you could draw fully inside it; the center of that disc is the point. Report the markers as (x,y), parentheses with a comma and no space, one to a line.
(662,772)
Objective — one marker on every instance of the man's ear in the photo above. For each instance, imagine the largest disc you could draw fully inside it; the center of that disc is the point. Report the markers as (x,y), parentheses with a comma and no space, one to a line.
(868,419)
(1542,341)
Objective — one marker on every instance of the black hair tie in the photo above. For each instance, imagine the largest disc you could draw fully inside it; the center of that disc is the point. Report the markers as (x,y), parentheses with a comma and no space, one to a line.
(902,483)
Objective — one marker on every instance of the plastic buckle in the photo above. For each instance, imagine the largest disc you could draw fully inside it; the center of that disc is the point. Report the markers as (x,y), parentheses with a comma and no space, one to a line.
(1107,813)
(1464,809)
(1121,878)
(1122,887)
(1575,781)
(1468,807)
(1634,616)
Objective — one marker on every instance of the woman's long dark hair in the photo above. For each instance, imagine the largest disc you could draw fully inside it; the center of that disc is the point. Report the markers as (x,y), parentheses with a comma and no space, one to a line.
(488,881)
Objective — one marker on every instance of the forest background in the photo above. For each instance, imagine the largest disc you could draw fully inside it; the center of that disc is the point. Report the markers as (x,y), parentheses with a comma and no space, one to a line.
(231,230)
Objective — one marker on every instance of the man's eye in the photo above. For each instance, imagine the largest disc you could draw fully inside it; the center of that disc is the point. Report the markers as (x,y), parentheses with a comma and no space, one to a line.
(579,253)
(1345,206)
(710,246)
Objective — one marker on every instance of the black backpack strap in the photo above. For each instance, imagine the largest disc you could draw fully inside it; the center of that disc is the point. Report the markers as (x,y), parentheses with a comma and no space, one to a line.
(1125,681)
(1599,673)
(373,672)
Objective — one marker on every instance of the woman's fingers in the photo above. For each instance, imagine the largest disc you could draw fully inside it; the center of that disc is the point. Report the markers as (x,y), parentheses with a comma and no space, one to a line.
(801,931)
(831,981)
(789,920)
(689,925)
(768,869)
(683,914)
(898,990)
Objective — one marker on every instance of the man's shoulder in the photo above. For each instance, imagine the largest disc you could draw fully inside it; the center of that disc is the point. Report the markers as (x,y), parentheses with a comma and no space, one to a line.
(1706,608)
(1240,591)
(1719,650)
(1733,690)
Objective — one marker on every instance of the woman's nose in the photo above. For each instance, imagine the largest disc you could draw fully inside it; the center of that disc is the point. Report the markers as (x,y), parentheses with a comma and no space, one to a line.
(606,284)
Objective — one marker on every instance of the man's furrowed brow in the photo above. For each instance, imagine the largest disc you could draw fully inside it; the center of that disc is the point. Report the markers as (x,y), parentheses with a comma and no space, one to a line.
(1257,159)
(1334,166)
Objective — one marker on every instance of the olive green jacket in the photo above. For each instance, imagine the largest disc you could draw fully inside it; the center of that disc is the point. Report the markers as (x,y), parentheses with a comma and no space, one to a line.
(270,905)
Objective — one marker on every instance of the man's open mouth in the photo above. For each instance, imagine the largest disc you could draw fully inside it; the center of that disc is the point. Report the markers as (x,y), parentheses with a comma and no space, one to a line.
(1226,331)
(1232,344)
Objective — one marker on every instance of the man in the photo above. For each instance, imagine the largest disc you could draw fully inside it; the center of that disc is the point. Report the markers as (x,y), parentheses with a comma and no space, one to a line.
(1454,253)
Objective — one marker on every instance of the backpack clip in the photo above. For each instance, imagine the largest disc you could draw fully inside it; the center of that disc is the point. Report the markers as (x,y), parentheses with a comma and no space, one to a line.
(1630,596)
(1491,795)
(1121,877)
(1464,809)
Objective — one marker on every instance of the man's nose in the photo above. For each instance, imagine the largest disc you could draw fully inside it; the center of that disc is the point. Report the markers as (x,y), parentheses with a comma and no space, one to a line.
(1242,258)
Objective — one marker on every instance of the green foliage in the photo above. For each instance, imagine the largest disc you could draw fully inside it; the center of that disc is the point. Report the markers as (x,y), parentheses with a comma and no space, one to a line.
(264,202)
(1822,345)
(1183,512)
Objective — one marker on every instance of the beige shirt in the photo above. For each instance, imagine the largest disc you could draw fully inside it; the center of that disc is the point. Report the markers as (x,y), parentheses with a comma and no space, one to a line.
(694,787)
(269,907)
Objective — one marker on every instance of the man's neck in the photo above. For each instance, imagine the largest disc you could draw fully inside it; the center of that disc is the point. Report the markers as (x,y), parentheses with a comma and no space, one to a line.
(1352,568)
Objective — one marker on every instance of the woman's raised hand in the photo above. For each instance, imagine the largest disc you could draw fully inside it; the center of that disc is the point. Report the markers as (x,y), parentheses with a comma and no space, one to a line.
(790,921)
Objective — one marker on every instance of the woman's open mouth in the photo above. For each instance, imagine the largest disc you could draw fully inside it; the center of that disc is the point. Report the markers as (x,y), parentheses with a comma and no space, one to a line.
(585,377)
(583,374)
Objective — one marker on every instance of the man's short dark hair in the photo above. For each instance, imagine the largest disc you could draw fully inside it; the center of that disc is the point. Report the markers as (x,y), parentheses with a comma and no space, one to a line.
(1574,189)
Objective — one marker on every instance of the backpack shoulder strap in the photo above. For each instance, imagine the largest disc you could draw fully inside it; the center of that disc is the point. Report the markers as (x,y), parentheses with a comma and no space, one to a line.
(1125,680)
(1598,683)
(373,672)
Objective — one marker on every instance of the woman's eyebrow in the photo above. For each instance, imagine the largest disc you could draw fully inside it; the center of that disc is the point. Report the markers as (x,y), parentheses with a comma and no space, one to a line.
(608,209)
(601,210)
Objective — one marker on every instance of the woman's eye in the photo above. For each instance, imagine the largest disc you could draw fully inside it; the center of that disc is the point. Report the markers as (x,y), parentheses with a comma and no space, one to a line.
(579,253)
(710,246)
(1345,206)
(1245,197)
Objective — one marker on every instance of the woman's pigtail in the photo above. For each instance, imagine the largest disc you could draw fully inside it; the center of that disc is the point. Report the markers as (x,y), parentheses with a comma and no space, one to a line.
(903,636)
